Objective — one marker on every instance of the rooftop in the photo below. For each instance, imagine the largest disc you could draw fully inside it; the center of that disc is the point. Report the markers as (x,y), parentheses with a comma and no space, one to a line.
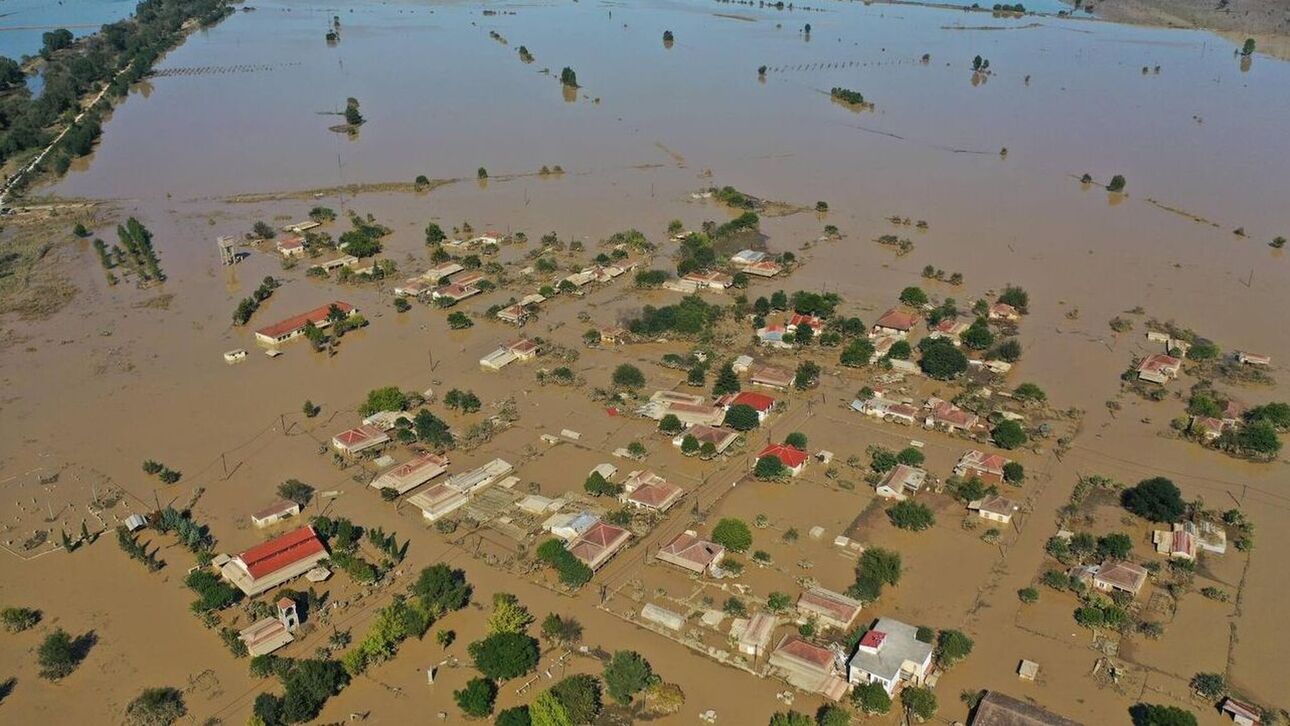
(890,644)
(788,455)
(996,709)
(896,319)
(268,557)
(316,316)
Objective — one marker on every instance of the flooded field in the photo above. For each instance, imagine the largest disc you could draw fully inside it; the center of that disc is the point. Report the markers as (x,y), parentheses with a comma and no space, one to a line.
(235,129)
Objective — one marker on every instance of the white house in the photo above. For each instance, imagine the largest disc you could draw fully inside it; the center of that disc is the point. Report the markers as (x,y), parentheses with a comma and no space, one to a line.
(890,654)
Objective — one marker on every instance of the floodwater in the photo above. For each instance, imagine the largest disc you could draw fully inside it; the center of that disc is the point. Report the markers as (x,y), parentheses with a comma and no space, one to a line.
(121,375)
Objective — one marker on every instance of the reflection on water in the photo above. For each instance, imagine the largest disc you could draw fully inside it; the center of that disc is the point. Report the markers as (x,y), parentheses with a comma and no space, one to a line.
(23,22)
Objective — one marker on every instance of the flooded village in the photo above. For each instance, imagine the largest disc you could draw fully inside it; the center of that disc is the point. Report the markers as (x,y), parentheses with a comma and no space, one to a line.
(729,362)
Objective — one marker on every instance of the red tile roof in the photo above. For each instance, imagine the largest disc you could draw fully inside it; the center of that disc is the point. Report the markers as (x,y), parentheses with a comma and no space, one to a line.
(789,456)
(656,495)
(292,324)
(358,435)
(759,401)
(800,650)
(268,557)
(897,320)
(800,319)
(873,639)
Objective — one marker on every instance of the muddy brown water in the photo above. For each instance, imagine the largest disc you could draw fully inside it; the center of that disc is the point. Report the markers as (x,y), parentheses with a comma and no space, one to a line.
(111,380)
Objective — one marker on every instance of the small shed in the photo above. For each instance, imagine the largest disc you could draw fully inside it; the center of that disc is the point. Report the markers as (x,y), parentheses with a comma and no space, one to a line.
(662,616)
(1028,670)
(135,522)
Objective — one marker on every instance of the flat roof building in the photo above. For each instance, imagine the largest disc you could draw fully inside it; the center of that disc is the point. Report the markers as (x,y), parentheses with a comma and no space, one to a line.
(411,474)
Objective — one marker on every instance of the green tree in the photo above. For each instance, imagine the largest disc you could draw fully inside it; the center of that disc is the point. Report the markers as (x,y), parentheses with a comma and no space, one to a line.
(561,629)
(769,468)
(919,701)
(871,699)
(1117,545)
(742,417)
(389,398)
(857,353)
(911,516)
(910,456)
(580,696)
(1156,499)
(568,77)
(434,234)
(441,589)
(670,424)
(1145,714)
(547,710)
(627,375)
(1028,595)
(831,715)
(1247,48)
(1030,392)
(941,359)
(597,486)
(978,335)
(952,646)
(1008,434)
(913,296)
(519,715)
(790,718)
(504,656)
(727,381)
(807,375)
(627,674)
(1014,473)
(732,534)
(877,567)
(797,440)
(899,350)
(508,615)
(294,490)
(477,698)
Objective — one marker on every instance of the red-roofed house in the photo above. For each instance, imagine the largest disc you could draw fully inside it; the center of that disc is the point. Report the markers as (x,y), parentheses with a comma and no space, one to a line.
(595,546)
(772,377)
(951,328)
(794,459)
(359,438)
(269,564)
(292,327)
(894,322)
(808,666)
(291,245)
(815,323)
(759,402)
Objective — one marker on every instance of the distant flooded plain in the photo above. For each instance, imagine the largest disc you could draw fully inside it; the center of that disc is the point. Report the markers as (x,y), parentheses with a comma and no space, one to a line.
(245,108)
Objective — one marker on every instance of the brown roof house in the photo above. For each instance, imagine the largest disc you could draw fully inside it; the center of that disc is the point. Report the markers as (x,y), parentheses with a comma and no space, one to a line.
(1159,368)
(894,322)
(1111,576)
(831,609)
(809,667)
(274,513)
(996,709)
(359,439)
(986,467)
(689,552)
(411,474)
(995,508)
(647,490)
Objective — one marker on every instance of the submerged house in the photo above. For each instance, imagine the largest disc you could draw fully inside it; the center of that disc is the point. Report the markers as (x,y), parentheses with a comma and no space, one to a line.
(293,327)
(598,544)
(359,438)
(1159,368)
(411,474)
(689,552)
(902,482)
(980,465)
(809,667)
(894,322)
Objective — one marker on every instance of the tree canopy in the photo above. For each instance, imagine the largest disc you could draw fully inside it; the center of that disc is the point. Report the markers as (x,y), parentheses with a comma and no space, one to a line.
(1156,499)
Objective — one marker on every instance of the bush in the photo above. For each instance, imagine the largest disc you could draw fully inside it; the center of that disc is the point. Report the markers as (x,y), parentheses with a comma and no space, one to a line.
(1016,297)
(17,620)
(910,456)
(628,376)
(797,440)
(857,353)
(156,707)
(597,486)
(1209,685)
(572,572)
(1028,595)
(477,698)
(1030,392)
(59,654)
(503,656)
(389,398)
(1156,499)
(1014,473)
(515,716)
(213,593)
(877,567)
